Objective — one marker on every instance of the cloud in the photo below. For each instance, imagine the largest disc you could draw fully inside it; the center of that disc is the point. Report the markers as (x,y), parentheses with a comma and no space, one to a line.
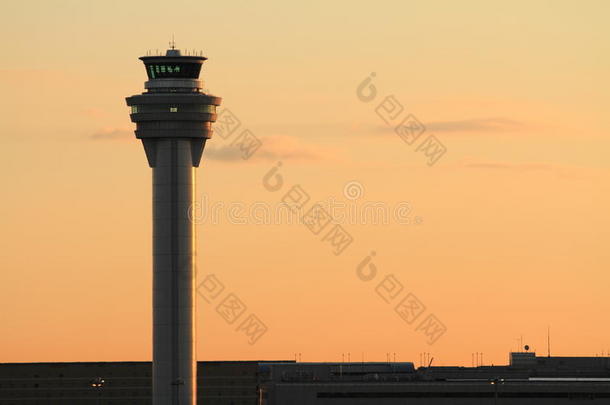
(479,125)
(272,148)
(112,134)
(476,125)
(560,170)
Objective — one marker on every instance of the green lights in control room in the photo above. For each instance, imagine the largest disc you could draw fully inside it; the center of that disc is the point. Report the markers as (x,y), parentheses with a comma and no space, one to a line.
(177,70)
(163,70)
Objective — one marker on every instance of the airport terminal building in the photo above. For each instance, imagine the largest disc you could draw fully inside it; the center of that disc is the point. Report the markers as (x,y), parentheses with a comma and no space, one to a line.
(527,379)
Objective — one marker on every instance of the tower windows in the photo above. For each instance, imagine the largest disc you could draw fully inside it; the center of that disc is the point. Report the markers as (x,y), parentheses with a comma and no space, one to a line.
(184,108)
(207,109)
(173,70)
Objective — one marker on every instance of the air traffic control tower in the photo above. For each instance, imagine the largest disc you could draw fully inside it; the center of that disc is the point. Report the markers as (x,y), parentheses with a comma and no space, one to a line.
(174,117)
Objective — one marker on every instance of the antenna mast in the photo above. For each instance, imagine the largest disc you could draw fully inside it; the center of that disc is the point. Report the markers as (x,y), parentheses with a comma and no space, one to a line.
(172,43)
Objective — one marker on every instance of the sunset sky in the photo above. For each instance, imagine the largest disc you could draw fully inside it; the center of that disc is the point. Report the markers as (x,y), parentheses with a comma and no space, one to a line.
(505,235)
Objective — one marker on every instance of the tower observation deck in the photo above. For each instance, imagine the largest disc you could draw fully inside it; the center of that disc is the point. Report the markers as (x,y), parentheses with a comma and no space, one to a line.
(173,119)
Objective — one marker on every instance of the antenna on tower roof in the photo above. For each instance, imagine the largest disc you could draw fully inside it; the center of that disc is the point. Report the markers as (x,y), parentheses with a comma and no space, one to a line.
(172,43)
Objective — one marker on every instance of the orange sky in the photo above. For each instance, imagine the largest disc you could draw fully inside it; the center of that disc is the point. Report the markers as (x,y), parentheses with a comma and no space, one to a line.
(507,232)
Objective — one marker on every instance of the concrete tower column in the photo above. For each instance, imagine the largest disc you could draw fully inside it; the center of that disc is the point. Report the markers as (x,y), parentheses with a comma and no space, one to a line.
(175,360)
(173,118)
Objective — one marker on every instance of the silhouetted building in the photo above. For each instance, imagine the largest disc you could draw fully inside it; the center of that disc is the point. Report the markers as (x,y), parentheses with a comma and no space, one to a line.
(527,379)
(120,383)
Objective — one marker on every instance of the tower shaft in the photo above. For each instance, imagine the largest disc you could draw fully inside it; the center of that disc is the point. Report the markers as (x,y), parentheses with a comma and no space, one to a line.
(174,353)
